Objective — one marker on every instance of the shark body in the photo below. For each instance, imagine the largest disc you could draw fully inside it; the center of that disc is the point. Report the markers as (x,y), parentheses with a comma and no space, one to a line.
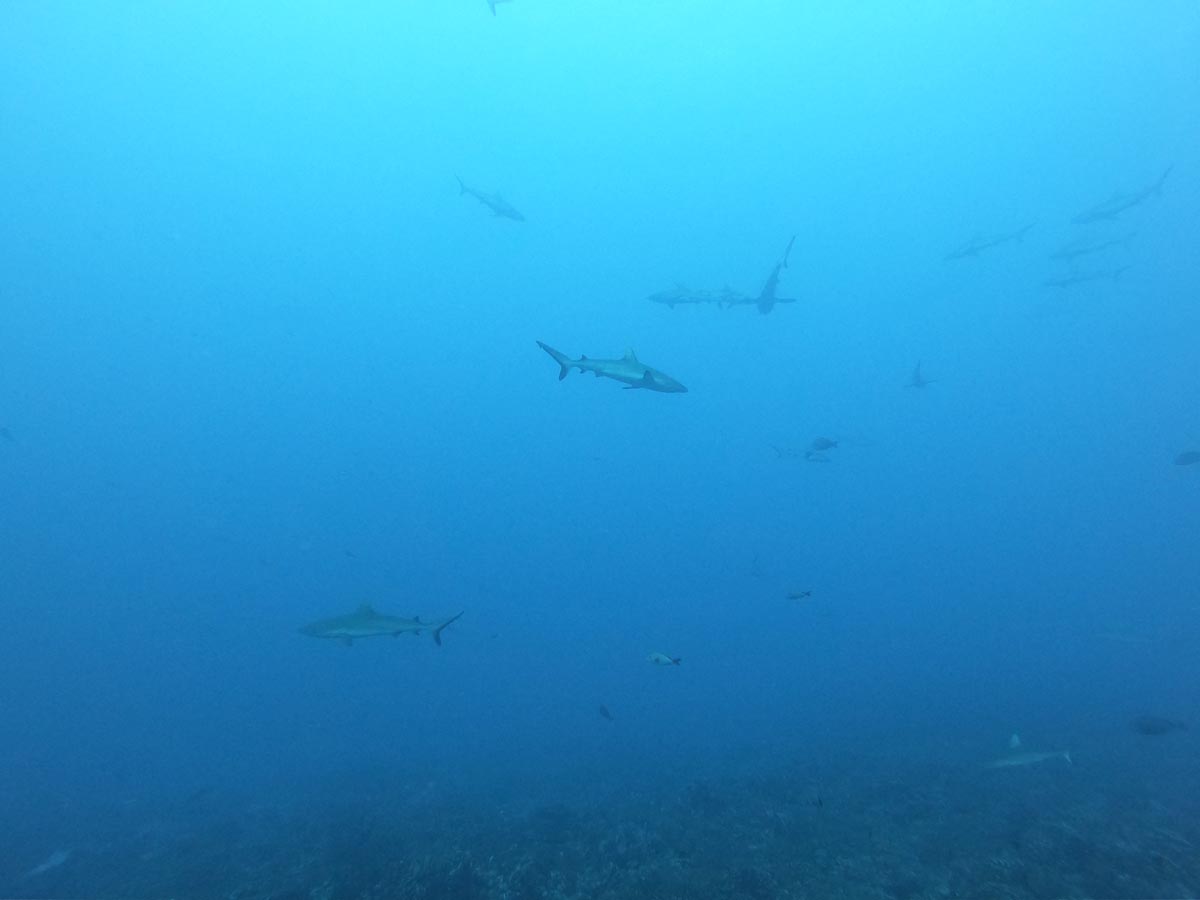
(977,245)
(1067,281)
(1028,759)
(628,370)
(766,299)
(1118,202)
(682,295)
(365,622)
(497,204)
(1084,247)
(918,380)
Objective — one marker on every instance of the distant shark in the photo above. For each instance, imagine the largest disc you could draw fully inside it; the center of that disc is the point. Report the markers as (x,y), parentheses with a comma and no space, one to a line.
(766,299)
(1028,759)
(1084,246)
(494,202)
(492,4)
(627,369)
(977,245)
(365,622)
(1118,202)
(683,295)
(1066,281)
(917,380)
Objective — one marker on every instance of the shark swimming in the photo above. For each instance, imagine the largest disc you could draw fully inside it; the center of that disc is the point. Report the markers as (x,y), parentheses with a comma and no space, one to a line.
(1084,247)
(1066,281)
(1118,202)
(492,4)
(682,295)
(1028,759)
(365,622)
(766,299)
(917,380)
(627,369)
(497,204)
(977,245)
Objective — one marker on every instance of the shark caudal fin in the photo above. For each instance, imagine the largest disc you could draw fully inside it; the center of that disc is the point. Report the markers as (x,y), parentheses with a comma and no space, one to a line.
(462,187)
(564,363)
(1157,189)
(437,632)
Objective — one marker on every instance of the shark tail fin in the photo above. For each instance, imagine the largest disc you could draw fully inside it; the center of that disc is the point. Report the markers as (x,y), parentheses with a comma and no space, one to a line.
(437,632)
(1158,185)
(564,363)
(676,660)
(788,252)
(462,187)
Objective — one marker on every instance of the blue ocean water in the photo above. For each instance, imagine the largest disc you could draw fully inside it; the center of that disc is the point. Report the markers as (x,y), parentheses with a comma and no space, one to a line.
(262,362)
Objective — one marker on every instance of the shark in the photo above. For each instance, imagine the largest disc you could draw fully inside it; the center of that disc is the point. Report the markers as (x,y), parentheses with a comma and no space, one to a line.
(766,299)
(1067,281)
(492,4)
(978,244)
(1028,759)
(628,369)
(682,295)
(917,380)
(1084,247)
(1119,203)
(497,204)
(365,622)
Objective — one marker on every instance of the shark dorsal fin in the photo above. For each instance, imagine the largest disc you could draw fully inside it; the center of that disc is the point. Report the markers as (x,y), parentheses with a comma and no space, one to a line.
(630,355)
(365,609)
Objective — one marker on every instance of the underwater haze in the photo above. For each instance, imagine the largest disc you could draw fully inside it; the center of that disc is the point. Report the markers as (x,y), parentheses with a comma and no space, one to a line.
(840,540)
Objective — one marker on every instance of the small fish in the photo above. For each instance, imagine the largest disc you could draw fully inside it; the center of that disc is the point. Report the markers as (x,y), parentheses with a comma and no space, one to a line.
(1156,725)
(1028,759)
(1188,458)
(799,595)
(605,713)
(661,659)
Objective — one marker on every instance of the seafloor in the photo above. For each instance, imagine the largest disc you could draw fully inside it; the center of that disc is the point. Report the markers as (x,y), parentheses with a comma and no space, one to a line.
(856,826)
